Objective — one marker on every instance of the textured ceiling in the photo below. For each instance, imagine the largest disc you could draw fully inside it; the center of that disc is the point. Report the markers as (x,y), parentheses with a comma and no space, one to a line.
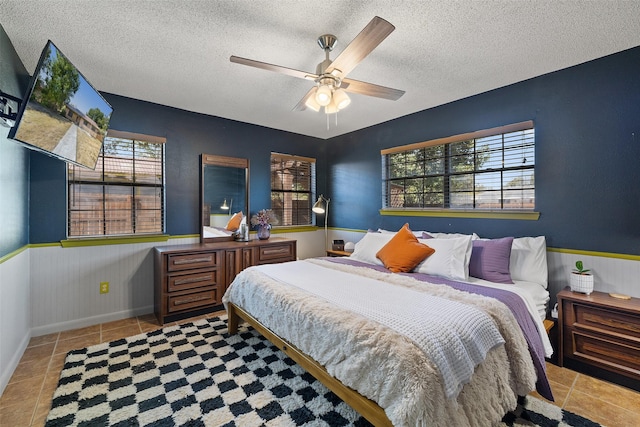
(176,52)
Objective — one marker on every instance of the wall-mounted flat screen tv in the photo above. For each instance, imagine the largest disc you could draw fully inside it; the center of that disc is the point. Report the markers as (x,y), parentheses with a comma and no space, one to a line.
(62,114)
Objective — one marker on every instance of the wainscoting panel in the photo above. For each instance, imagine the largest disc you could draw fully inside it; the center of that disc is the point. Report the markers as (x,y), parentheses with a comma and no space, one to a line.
(346,235)
(14,314)
(310,244)
(610,274)
(65,284)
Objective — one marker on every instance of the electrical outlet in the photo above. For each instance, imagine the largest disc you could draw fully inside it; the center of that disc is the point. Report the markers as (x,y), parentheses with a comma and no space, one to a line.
(104,287)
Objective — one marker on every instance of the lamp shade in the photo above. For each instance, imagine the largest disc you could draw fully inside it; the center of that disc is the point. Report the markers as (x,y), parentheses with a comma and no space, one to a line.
(341,99)
(318,206)
(323,95)
(311,102)
(224,206)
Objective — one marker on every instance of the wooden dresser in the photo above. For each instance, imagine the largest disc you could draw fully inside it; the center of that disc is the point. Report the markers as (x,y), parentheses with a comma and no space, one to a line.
(191,279)
(601,335)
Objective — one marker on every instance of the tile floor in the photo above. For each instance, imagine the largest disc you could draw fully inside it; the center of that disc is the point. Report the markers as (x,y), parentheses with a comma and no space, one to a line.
(27,398)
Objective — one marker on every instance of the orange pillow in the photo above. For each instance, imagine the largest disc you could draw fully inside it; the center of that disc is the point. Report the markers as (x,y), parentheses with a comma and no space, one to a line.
(403,252)
(234,222)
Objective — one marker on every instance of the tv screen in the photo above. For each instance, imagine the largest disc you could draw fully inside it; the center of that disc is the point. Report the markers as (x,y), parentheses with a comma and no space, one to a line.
(62,114)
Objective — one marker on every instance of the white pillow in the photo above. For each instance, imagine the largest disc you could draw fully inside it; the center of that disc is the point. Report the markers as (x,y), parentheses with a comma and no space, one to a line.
(473,236)
(367,248)
(435,235)
(528,260)
(383,231)
(450,260)
(418,233)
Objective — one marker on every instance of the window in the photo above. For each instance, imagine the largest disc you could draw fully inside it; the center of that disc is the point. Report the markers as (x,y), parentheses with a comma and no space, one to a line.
(293,180)
(124,195)
(485,170)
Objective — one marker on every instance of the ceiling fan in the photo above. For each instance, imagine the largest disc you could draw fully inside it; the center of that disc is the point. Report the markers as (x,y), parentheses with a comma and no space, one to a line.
(330,76)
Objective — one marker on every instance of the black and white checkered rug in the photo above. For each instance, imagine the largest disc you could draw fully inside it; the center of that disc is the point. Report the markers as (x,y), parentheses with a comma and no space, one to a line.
(196,375)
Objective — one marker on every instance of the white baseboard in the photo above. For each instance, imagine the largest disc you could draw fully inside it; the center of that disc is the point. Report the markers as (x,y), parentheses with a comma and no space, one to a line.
(13,363)
(89,321)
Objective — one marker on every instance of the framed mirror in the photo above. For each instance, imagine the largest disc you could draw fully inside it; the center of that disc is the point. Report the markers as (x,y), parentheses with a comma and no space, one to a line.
(224,191)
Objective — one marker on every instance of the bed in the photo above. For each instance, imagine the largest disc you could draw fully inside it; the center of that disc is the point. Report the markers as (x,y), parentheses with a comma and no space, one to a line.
(208,231)
(223,225)
(432,346)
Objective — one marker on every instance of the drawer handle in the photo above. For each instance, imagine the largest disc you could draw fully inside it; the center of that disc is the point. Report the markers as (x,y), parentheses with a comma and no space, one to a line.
(276,251)
(190,280)
(192,260)
(188,300)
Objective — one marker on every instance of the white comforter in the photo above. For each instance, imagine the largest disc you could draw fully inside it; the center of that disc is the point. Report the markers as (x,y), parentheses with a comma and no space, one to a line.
(370,356)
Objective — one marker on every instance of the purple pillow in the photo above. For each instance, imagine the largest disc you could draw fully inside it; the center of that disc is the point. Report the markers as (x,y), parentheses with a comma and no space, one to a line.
(490,260)
(426,235)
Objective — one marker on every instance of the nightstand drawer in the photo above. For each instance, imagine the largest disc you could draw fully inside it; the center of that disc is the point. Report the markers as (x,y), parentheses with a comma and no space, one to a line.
(606,351)
(180,262)
(601,320)
(194,300)
(193,280)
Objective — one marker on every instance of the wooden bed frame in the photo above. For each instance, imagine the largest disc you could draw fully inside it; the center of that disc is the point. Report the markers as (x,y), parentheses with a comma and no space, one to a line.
(364,406)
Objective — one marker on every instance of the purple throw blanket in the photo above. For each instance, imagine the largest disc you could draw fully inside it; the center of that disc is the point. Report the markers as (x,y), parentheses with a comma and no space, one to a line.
(510,299)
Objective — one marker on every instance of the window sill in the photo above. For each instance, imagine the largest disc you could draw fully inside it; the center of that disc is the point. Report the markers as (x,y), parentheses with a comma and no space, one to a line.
(293,229)
(114,240)
(451,213)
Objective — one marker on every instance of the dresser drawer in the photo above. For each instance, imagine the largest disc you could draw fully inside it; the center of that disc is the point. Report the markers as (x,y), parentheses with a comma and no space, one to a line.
(190,261)
(192,301)
(191,279)
(178,282)
(609,352)
(276,253)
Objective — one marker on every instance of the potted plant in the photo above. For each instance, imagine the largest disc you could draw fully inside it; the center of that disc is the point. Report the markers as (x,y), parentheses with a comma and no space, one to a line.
(581,279)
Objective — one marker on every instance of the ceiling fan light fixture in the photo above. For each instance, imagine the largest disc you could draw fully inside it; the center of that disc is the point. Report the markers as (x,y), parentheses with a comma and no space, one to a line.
(329,75)
(341,99)
(323,95)
(311,102)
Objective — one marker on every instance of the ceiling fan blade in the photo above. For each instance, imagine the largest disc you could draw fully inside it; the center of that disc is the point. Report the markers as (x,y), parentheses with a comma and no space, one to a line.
(302,104)
(277,68)
(368,39)
(370,89)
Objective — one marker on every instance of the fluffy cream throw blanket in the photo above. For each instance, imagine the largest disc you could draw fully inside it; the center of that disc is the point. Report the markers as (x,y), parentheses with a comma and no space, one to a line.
(383,365)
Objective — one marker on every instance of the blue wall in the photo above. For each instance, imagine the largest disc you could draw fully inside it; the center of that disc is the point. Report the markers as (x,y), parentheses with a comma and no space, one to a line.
(226,184)
(587,121)
(14,158)
(188,135)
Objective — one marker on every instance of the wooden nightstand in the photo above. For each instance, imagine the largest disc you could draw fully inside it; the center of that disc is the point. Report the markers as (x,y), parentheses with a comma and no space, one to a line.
(600,335)
(331,252)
